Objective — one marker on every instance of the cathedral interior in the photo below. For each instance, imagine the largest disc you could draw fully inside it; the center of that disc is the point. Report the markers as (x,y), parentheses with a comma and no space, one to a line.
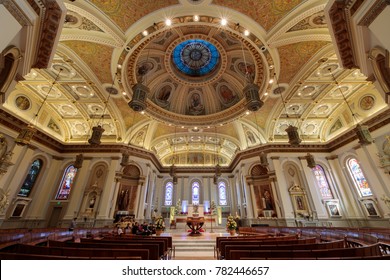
(273,111)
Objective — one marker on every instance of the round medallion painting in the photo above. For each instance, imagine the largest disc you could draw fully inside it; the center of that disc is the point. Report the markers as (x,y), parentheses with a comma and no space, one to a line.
(367,102)
(23,103)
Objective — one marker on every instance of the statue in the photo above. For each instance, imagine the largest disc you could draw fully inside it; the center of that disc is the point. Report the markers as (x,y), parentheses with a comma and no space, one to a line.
(92,202)
(3,146)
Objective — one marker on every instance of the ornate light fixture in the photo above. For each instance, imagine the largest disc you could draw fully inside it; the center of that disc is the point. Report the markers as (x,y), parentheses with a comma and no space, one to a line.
(362,131)
(292,131)
(140,91)
(251,90)
(310,160)
(78,163)
(172,170)
(26,134)
(218,171)
(97,131)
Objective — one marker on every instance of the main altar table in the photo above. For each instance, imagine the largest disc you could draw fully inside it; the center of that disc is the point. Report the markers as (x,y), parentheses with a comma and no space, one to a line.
(195,224)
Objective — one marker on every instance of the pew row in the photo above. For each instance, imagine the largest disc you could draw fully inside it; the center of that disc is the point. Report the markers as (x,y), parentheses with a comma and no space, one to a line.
(360,252)
(95,253)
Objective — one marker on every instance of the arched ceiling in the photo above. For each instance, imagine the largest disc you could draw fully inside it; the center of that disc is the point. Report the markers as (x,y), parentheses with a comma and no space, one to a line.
(197,118)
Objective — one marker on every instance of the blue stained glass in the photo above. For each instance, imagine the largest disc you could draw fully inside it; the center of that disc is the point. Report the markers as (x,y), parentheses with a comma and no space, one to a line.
(195,57)
(222,193)
(358,177)
(195,193)
(322,182)
(31,178)
(66,183)
(168,193)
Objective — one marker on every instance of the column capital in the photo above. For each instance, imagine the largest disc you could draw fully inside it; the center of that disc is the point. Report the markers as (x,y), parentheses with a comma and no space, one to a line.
(332,157)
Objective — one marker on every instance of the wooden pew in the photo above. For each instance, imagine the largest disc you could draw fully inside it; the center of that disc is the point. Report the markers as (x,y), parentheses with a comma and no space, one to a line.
(220,250)
(78,252)
(366,251)
(152,248)
(24,256)
(162,249)
(165,252)
(278,247)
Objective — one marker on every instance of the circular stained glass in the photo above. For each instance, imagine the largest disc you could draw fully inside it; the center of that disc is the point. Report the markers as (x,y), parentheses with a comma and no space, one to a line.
(195,57)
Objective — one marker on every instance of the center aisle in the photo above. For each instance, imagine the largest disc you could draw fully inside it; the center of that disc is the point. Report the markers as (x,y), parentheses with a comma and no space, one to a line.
(199,247)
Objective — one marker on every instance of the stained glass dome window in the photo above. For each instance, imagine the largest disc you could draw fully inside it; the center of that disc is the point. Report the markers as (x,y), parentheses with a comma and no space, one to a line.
(195,57)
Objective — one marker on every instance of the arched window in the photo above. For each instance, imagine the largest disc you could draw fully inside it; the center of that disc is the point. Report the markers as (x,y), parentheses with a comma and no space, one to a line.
(66,183)
(358,177)
(195,192)
(322,182)
(168,194)
(222,193)
(31,178)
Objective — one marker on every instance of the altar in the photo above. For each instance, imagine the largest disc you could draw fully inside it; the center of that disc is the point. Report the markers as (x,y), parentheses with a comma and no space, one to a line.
(195,224)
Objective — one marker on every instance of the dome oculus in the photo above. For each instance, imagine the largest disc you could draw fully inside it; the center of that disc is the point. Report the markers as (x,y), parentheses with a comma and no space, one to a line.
(195,57)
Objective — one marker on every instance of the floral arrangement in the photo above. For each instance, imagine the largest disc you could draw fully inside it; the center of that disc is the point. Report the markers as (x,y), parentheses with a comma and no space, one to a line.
(213,208)
(231,223)
(159,223)
(178,207)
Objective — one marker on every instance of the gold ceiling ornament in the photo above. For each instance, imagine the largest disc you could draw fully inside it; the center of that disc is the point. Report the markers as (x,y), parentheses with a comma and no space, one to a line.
(27,133)
(362,131)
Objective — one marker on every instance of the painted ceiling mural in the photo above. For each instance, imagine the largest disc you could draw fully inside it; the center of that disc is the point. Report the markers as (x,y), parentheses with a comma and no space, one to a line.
(196,67)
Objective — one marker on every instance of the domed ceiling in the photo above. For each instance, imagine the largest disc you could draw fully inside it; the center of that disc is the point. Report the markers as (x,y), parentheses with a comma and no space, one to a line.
(196,67)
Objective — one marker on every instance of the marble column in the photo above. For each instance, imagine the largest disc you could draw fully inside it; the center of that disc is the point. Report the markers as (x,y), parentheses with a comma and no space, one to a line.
(315,195)
(76,194)
(283,189)
(372,174)
(109,193)
(347,202)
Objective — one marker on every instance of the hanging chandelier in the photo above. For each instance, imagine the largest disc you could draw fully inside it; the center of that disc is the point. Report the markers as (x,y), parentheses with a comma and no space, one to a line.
(172,170)
(263,159)
(79,161)
(362,131)
(140,91)
(97,131)
(251,90)
(27,133)
(292,131)
(310,160)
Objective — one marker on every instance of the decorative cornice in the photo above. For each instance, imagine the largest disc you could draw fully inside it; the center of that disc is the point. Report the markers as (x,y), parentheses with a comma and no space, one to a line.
(49,31)
(339,17)
(16,12)
(374,11)
(332,157)
(15,124)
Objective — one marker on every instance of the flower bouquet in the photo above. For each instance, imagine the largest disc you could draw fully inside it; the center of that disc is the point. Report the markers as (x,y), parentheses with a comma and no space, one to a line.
(231,223)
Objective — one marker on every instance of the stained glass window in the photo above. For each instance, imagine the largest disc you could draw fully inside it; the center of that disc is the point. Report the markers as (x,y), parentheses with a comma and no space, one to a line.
(322,182)
(66,183)
(168,193)
(195,57)
(195,193)
(222,193)
(358,177)
(31,178)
